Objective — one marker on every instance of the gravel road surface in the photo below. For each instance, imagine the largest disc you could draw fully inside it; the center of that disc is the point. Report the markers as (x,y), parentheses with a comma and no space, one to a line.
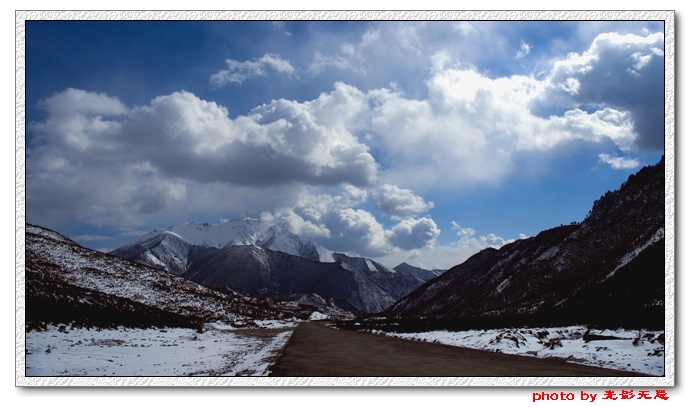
(315,350)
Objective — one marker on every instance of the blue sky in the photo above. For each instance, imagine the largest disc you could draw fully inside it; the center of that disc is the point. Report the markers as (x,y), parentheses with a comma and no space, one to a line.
(402,141)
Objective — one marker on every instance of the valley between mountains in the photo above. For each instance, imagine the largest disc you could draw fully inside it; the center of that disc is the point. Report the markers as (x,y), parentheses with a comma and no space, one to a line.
(206,300)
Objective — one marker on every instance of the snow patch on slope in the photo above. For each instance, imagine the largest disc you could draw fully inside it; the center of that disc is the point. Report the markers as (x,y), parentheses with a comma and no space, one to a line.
(657,236)
(503,285)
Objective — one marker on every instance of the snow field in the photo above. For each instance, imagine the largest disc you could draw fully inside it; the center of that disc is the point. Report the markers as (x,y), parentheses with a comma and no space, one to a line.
(634,350)
(219,351)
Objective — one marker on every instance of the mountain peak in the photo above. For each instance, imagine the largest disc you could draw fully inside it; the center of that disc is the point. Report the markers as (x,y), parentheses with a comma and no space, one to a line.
(245,232)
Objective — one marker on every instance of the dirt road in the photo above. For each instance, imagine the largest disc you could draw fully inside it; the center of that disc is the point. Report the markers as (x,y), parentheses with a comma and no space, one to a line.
(317,350)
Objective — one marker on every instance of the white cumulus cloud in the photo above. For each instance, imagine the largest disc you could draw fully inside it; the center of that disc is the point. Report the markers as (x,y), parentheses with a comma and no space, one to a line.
(289,220)
(182,136)
(401,203)
(473,129)
(411,234)
(468,240)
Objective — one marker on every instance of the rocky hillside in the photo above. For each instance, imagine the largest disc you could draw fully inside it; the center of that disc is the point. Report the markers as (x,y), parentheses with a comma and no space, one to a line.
(66,283)
(608,269)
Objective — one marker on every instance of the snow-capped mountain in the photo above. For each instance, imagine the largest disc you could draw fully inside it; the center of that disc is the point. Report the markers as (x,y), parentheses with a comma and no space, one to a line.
(608,269)
(68,283)
(262,260)
(169,248)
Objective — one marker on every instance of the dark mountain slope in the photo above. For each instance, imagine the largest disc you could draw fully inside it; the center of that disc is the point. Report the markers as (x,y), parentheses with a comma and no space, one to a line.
(259,272)
(608,268)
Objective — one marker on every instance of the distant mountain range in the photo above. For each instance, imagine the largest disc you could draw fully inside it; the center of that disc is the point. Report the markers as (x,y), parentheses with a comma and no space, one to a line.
(262,260)
(66,283)
(608,269)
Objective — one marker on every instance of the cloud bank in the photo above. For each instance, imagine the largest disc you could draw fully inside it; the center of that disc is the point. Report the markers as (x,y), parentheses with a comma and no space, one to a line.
(341,224)
(624,72)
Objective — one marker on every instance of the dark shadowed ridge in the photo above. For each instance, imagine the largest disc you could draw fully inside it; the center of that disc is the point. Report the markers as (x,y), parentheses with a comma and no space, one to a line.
(607,270)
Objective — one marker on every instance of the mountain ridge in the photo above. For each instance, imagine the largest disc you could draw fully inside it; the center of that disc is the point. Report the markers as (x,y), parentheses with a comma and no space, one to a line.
(262,260)
(608,267)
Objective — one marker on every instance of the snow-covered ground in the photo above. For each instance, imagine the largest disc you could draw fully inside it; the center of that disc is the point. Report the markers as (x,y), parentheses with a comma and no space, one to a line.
(635,350)
(220,350)
(318,316)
